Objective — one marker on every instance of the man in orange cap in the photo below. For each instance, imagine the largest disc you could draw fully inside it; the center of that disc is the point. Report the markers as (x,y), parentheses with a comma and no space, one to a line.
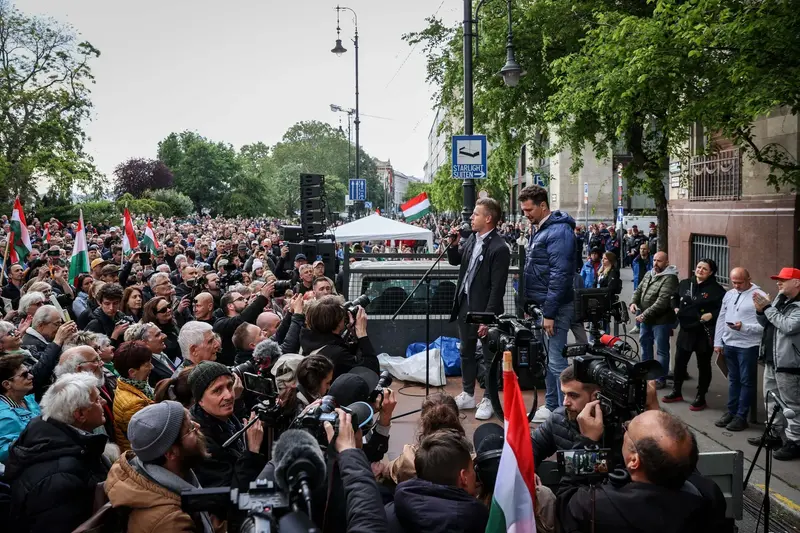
(780,348)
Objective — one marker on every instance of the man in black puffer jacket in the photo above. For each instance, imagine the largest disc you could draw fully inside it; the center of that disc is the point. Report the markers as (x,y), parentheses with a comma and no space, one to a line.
(57,462)
(107,318)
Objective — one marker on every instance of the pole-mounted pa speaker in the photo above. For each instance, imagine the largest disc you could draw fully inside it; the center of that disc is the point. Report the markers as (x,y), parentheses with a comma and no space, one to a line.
(307,180)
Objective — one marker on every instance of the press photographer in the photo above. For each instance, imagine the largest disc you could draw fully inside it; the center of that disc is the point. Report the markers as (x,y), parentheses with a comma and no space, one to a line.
(326,333)
(658,490)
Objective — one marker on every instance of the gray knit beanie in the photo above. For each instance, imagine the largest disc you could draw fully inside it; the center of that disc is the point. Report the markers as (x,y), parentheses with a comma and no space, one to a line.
(155,428)
(203,375)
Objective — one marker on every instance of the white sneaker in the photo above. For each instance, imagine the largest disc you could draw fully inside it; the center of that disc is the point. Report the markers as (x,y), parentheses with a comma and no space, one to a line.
(465,401)
(634,329)
(485,411)
(541,415)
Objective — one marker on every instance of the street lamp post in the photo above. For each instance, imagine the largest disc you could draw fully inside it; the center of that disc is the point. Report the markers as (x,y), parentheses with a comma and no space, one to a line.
(511,73)
(339,50)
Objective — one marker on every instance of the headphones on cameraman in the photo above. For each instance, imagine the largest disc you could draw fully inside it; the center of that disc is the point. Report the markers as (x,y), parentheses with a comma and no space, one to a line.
(482,458)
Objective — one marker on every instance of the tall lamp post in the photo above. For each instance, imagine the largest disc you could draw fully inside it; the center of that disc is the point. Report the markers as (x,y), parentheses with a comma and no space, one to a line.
(339,50)
(511,73)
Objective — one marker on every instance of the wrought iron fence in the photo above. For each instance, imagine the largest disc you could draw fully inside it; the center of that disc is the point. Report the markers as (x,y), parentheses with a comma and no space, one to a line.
(716,177)
(713,247)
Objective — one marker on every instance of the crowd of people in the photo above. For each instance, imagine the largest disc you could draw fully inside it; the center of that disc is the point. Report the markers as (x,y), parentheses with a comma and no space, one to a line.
(118,388)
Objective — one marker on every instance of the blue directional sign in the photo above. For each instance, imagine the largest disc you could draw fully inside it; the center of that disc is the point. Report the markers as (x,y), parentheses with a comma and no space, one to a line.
(538,180)
(620,213)
(368,205)
(358,190)
(469,156)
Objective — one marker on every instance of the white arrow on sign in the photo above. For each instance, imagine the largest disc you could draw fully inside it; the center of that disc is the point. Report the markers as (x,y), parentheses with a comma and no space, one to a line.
(480,174)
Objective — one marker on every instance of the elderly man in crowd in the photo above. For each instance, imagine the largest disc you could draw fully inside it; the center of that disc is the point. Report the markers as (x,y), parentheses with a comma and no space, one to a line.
(779,348)
(198,343)
(153,337)
(58,460)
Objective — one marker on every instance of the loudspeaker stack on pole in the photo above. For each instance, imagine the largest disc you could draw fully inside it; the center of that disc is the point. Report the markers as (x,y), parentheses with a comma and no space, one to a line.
(312,206)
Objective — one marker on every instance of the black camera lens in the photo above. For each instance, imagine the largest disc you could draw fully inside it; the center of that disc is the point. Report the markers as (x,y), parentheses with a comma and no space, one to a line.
(281,287)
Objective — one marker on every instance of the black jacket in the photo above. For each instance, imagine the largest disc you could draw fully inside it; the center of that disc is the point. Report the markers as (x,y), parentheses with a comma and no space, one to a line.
(160,371)
(102,323)
(234,466)
(611,282)
(634,508)
(172,350)
(42,366)
(227,325)
(11,292)
(420,505)
(692,301)
(488,285)
(342,355)
(35,345)
(288,334)
(557,433)
(54,471)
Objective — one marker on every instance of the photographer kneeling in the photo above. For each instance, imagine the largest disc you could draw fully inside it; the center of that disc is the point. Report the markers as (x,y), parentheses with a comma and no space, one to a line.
(327,334)
(651,493)
(578,423)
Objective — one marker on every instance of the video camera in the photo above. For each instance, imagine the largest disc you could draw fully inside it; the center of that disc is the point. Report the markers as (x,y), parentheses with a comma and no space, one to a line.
(610,363)
(524,339)
(281,286)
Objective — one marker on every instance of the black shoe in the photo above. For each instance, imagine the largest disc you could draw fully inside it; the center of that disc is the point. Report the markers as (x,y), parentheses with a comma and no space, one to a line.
(724,421)
(789,451)
(672,397)
(773,441)
(699,403)
(737,424)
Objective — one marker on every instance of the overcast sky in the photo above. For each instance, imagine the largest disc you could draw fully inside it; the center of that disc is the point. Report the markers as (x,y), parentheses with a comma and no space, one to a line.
(243,71)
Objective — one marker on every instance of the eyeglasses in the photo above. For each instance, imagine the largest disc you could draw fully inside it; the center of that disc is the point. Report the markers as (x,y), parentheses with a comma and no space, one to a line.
(96,361)
(162,310)
(195,427)
(625,426)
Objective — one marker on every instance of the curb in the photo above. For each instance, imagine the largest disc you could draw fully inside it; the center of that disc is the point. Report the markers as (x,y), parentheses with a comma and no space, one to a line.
(784,513)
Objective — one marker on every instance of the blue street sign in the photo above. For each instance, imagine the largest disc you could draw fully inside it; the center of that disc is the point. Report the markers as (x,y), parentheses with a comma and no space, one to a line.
(469,156)
(368,205)
(538,180)
(619,216)
(358,190)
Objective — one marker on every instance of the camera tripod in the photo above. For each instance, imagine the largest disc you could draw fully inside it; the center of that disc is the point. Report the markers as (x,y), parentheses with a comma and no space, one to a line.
(769,443)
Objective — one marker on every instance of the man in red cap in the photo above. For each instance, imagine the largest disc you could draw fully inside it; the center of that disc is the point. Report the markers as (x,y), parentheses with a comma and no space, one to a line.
(780,348)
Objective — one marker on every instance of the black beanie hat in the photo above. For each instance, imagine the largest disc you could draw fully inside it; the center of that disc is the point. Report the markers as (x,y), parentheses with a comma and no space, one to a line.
(203,375)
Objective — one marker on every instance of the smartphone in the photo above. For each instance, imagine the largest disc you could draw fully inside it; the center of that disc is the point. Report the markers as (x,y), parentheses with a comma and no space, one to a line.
(259,385)
(144,258)
(730,324)
(54,253)
(584,463)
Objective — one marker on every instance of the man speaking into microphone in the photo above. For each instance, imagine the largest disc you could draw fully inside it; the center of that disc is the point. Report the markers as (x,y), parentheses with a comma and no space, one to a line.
(484,258)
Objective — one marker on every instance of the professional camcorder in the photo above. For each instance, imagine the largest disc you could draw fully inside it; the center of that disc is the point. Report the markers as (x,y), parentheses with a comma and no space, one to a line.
(609,362)
(280,498)
(281,286)
(524,339)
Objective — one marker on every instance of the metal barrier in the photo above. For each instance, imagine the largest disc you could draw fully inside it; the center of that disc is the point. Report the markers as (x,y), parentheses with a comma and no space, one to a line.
(726,469)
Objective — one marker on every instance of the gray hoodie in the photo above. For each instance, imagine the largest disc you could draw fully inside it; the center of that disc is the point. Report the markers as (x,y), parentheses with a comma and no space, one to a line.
(738,307)
(786,347)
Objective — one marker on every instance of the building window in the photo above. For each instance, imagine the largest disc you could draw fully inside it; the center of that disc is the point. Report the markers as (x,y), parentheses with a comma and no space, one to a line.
(716,176)
(713,247)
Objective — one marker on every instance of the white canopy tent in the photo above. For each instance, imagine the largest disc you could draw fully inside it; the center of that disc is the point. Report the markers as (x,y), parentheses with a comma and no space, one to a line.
(378,228)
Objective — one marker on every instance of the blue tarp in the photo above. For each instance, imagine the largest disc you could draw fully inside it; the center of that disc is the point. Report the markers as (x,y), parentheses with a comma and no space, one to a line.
(448,348)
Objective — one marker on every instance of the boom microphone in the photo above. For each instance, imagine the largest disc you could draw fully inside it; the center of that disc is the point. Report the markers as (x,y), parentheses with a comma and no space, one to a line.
(266,352)
(299,464)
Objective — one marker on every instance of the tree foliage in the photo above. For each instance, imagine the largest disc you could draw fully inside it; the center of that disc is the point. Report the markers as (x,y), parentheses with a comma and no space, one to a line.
(44,104)
(415,189)
(624,72)
(137,175)
(179,204)
(203,169)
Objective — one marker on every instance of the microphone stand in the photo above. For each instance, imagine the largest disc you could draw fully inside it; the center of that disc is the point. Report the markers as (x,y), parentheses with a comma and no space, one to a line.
(427,281)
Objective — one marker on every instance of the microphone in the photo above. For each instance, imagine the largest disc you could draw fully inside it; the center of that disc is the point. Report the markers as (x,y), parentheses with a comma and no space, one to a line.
(615,343)
(299,464)
(787,412)
(465,230)
(266,352)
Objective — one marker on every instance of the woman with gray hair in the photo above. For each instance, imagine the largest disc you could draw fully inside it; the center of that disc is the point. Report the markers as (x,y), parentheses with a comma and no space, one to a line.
(57,462)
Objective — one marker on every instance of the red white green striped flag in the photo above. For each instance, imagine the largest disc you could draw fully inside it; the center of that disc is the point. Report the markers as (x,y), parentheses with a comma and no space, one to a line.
(417,207)
(515,488)
(79,261)
(22,241)
(149,240)
(129,241)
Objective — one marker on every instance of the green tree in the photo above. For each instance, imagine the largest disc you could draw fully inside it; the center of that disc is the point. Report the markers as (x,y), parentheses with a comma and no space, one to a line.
(44,104)
(415,189)
(179,204)
(203,169)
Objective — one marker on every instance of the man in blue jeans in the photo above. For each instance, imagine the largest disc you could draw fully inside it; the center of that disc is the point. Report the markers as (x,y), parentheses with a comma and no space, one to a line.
(652,307)
(738,337)
(549,272)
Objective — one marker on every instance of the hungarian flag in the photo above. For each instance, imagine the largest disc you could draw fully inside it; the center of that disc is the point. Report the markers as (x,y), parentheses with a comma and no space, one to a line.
(149,240)
(12,253)
(46,235)
(79,261)
(515,488)
(22,241)
(129,241)
(417,207)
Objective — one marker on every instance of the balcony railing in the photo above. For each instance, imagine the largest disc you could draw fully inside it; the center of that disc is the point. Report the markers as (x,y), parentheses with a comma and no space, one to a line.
(716,177)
